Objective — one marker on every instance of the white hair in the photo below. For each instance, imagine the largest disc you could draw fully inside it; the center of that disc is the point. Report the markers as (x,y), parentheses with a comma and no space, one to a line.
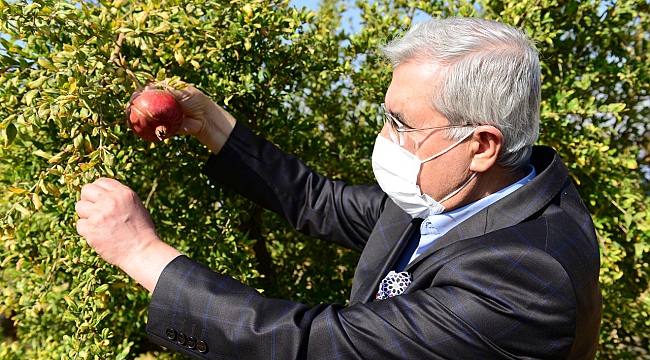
(490,76)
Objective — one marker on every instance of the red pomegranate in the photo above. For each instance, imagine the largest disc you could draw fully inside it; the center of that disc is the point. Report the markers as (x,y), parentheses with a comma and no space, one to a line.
(154,115)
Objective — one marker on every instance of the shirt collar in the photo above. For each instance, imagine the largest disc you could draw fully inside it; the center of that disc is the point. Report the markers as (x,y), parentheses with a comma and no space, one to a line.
(434,226)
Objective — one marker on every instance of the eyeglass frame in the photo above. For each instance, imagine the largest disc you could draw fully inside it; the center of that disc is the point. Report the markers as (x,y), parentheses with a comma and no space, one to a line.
(400,129)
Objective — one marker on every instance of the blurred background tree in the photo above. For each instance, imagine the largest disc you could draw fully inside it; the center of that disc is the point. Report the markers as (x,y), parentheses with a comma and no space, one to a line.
(309,81)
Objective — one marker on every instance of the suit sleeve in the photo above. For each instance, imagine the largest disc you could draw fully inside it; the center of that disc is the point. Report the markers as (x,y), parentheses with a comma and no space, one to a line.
(463,313)
(311,203)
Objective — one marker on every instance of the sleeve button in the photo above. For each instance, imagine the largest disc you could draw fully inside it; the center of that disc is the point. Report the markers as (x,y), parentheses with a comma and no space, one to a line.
(191,342)
(181,338)
(171,334)
(201,346)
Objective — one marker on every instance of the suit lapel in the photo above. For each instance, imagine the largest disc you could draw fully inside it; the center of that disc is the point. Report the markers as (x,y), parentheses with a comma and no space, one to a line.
(514,208)
(395,227)
(391,234)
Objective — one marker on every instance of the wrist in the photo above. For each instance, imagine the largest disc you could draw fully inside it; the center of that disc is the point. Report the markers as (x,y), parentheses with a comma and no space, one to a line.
(218,126)
(147,261)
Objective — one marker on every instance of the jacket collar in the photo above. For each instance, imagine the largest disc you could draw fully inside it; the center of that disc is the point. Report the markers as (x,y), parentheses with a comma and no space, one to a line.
(515,208)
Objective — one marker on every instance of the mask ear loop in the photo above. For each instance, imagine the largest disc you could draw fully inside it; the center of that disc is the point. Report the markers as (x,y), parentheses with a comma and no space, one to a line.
(443,152)
(448,148)
(459,189)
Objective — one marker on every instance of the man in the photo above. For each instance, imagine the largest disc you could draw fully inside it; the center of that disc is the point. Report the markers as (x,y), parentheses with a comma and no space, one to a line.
(504,265)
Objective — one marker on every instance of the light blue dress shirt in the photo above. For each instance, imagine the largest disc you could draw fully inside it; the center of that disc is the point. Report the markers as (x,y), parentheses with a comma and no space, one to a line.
(435,226)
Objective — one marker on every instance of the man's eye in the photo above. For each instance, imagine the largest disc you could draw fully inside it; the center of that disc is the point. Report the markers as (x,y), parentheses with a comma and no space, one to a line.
(406,126)
(402,123)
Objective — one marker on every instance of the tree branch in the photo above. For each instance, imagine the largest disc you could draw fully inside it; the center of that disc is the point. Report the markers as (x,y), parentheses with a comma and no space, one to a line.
(119,60)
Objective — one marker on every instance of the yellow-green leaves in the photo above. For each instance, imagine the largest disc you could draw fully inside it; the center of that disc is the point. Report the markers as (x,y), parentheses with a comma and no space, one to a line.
(308,79)
(29,96)
(16,190)
(47,64)
(36,83)
(66,79)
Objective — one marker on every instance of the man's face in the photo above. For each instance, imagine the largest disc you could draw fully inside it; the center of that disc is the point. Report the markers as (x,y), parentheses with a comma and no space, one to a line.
(408,99)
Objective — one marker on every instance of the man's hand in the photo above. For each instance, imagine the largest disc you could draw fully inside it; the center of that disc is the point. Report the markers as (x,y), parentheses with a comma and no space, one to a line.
(204,119)
(116,224)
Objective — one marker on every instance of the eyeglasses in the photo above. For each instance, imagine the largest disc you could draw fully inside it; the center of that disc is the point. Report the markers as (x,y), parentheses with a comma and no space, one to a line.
(397,129)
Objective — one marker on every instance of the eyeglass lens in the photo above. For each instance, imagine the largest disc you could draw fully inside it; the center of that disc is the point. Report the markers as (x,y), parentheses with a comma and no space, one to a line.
(393,127)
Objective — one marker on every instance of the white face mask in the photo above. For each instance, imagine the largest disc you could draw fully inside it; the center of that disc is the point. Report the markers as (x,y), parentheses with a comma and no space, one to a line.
(397,172)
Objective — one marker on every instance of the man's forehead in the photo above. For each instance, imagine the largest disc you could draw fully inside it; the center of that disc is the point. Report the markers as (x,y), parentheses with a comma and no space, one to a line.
(409,95)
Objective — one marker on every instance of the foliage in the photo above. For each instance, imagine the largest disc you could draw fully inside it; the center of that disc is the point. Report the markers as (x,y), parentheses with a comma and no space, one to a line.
(595,112)
(64,88)
(308,82)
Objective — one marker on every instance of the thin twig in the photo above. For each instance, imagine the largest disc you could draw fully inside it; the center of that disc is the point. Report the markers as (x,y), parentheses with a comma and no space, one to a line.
(119,60)
(153,189)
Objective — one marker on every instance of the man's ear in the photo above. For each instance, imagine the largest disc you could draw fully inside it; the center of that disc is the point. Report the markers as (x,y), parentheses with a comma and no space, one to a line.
(486,146)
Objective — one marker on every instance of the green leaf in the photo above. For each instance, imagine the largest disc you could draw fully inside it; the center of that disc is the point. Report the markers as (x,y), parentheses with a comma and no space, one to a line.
(9,134)
(16,190)
(161,75)
(47,64)
(36,201)
(37,83)
(43,154)
(25,212)
(102,288)
(29,96)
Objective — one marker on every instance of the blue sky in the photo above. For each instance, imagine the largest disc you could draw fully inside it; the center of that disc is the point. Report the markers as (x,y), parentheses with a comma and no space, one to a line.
(313,4)
(352,14)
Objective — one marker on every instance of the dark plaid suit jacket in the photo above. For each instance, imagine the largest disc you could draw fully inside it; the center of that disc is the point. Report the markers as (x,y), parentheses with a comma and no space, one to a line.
(517,280)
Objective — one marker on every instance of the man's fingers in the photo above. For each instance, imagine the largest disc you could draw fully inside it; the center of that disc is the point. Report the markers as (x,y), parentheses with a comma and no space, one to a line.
(84,209)
(108,184)
(91,192)
(182,95)
(82,225)
(99,189)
